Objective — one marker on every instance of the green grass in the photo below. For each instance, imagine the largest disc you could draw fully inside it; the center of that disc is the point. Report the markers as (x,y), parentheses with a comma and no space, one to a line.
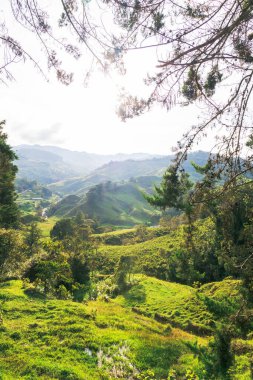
(194,310)
(151,256)
(53,339)
(128,236)
(167,242)
(65,340)
(122,232)
(46,225)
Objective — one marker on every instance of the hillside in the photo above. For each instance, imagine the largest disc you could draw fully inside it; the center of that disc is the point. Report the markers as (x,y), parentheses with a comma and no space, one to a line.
(82,337)
(111,203)
(183,306)
(120,204)
(44,167)
(64,340)
(78,184)
(118,171)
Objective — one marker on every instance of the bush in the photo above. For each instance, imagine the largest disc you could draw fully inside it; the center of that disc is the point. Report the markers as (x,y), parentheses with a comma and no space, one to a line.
(16,335)
(5,346)
(106,288)
(113,240)
(62,293)
(168,328)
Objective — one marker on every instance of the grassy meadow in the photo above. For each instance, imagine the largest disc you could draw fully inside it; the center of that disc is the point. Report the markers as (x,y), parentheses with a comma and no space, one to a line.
(54,339)
(151,330)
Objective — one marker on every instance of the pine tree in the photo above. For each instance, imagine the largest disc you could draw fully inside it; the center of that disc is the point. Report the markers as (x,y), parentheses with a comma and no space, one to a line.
(8,207)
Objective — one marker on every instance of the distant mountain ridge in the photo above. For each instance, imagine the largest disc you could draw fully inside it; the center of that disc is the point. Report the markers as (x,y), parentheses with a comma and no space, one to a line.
(125,170)
(110,193)
(48,164)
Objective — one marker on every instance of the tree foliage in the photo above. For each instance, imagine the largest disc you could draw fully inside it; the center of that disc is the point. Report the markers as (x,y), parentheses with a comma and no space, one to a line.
(8,207)
(12,253)
(173,191)
(32,239)
(62,229)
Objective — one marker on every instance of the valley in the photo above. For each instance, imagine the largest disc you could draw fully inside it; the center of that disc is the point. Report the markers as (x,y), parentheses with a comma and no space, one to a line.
(100,284)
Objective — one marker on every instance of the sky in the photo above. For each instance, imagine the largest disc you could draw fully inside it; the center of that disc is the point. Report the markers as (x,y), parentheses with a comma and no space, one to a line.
(83,117)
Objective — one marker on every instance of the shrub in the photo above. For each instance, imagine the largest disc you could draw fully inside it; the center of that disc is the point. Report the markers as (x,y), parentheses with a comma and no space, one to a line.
(168,328)
(16,335)
(62,293)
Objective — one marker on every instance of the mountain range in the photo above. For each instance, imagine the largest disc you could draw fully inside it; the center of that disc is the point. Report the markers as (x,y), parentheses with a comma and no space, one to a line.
(107,188)
(48,164)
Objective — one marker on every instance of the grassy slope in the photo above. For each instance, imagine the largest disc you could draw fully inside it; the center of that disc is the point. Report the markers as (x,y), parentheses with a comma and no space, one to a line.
(46,225)
(195,310)
(62,340)
(125,206)
(127,232)
(53,339)
(79,184)
(149,247)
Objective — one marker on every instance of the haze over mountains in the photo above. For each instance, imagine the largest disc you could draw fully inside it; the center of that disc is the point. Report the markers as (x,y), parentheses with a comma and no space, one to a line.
(107,188)
(48,164)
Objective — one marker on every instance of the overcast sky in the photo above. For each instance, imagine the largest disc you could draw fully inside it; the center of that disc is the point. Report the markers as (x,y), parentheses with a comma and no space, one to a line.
(84,118)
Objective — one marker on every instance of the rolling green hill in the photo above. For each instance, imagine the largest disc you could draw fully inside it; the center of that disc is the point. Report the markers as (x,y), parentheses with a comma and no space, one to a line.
(77,185)
(80,186)
(117,171)
(65,340)
(110,203)
(64,206)
(169,241)
(194,310)
(114,203)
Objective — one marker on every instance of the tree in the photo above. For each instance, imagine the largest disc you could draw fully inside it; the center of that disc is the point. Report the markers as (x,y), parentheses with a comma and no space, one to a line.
(173,191)
(8,206)
(51,274)
(32,239)
(123,270)
(50,269)
(80,268)
(200,47)
(12,257)
(63,229)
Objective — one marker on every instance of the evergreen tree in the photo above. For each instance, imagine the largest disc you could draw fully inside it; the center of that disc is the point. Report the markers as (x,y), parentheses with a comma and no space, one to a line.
(173,192)
(8,206)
